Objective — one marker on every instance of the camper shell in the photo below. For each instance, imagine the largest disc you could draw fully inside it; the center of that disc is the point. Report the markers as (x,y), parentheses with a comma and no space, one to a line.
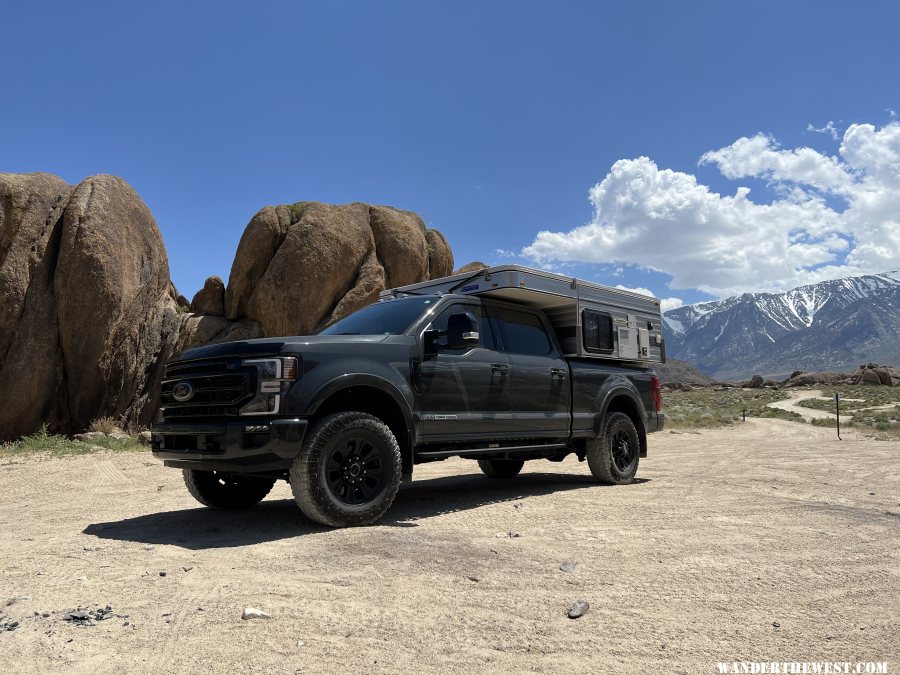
(590,320)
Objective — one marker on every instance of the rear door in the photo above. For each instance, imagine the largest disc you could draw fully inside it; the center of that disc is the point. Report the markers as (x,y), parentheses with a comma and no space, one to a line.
(541,392)
(466,393)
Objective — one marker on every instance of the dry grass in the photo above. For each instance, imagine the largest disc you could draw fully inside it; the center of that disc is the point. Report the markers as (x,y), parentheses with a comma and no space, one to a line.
(105,425)
(56,445)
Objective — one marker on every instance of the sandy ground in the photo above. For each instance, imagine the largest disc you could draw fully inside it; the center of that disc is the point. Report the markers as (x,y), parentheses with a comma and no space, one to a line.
(767,541)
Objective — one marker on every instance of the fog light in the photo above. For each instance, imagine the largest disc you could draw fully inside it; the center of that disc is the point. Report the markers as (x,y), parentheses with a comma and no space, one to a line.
(256,428)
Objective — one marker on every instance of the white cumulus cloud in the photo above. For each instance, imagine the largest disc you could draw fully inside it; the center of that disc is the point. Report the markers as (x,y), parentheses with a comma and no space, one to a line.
(665,304)
(832,216)
(829,129)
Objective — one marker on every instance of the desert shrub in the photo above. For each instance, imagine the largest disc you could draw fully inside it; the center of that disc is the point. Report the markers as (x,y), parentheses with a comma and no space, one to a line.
(42,441)
(105,425)
(871,395)
(828,404)
(56,445)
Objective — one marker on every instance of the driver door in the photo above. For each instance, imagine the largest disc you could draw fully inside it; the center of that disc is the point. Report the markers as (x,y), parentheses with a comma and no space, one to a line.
(466,392)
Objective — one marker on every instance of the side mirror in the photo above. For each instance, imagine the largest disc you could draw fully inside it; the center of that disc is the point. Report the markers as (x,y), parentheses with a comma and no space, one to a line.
(431,344)
(462,331)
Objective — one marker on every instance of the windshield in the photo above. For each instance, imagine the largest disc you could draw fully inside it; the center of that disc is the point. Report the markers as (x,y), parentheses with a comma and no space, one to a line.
(391,317)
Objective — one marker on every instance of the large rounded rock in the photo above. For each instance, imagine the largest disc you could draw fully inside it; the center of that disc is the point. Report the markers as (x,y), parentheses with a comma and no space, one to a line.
(85,273)
(301,267)
(869,377)
(884,376)
(211,298)
(31,366)
(440,257)
(111,286)
(401,245)
(475,266)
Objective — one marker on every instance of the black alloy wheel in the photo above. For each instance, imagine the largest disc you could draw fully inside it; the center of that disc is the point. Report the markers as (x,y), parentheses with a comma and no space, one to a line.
(348,470)
(624,452)
(613,457)
(355,468)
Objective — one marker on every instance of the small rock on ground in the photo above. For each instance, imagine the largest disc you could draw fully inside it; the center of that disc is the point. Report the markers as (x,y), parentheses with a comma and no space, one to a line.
(567,565)
(579,608)
(253,613)
(17,598)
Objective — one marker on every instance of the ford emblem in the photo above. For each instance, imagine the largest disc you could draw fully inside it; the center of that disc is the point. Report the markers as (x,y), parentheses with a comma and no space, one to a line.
(183,391)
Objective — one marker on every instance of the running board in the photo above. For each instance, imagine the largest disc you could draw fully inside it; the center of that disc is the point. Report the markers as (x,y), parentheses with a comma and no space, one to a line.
(434,454)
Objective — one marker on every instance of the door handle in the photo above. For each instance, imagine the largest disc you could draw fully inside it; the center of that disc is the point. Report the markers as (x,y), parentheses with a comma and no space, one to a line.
(558,372)
(499,368)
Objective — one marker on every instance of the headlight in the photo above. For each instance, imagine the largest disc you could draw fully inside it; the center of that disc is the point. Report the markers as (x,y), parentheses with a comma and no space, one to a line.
(274,377)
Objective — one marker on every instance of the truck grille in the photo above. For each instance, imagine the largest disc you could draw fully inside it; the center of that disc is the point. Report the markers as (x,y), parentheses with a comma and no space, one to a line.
(219,388)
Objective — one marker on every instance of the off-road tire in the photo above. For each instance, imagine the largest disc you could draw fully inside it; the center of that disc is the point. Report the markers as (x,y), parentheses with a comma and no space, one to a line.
(223,490)
(501,468)
(609,462)
(321,477)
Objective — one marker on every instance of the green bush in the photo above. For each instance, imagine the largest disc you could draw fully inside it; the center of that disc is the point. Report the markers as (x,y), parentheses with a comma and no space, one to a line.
(56,445)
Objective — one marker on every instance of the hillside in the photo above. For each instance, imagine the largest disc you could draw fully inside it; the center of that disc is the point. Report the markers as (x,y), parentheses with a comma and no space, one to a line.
(682,372)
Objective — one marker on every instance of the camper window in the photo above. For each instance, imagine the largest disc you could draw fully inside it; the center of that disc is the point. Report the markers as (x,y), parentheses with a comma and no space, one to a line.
(597,331)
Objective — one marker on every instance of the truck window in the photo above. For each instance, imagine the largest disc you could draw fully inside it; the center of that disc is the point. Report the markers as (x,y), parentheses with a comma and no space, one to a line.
(523,333)
(597,331)
(485,334)
(389,317)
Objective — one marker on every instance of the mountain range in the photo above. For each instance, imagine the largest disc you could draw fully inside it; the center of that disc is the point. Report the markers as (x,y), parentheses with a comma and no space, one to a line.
(831,325)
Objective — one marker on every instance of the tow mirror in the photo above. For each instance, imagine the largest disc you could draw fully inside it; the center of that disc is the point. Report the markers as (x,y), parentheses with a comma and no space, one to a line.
(431,337)
(462,331)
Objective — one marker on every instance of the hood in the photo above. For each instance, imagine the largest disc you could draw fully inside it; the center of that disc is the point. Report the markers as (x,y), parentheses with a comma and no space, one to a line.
(272,346)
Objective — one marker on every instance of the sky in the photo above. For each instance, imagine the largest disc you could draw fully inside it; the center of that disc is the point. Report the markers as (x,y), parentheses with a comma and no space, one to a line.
(694,150)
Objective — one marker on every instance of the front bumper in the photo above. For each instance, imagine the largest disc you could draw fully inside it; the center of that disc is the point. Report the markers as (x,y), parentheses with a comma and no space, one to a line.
(247,446)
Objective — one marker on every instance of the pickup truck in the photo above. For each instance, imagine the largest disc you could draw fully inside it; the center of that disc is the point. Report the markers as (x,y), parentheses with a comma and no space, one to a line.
(345,415)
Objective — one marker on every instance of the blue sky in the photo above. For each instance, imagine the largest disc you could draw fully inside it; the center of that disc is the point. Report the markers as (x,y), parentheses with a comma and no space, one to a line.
(493,120)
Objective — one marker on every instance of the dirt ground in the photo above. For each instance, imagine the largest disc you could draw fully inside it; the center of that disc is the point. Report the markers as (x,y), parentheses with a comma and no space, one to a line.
(768,541)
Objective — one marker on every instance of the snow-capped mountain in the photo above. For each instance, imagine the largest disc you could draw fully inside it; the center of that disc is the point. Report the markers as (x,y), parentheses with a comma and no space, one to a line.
(831,325)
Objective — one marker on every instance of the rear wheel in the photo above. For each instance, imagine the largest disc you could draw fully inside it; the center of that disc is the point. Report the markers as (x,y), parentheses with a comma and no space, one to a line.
(501,468)
(614,456)
(348,471)
(226,490)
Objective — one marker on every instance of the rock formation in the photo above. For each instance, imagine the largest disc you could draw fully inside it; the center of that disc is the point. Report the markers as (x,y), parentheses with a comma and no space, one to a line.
(472,267)
(89,315)
(211,298)
(302,266)
(87,302)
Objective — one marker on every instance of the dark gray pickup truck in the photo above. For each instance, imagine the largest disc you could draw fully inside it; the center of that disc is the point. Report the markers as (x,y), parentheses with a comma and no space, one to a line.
(418,377)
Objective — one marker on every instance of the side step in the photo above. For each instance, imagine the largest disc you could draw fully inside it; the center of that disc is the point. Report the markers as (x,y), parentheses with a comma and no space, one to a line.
(464,452)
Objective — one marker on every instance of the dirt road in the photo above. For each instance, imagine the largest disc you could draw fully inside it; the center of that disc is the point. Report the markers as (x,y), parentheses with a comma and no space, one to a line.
(767,541)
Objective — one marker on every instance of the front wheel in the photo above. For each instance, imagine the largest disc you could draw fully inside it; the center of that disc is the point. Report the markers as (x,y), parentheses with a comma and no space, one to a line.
(223,490)
(501,468)
(613,457)
(348,471)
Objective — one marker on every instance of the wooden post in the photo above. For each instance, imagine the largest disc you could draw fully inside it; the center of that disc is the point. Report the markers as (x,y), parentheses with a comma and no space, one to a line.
(837,411)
